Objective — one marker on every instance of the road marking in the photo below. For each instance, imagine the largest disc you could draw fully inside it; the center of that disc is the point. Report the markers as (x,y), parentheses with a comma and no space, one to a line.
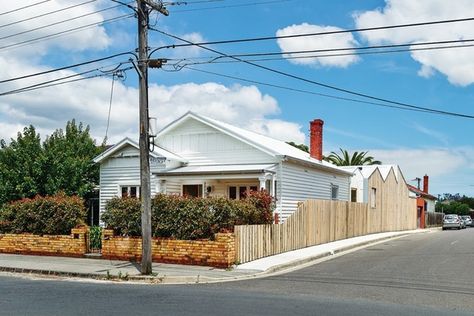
(454,242)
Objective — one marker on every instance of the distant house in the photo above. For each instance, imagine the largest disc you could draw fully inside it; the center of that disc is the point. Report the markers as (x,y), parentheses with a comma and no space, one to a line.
(425,202)
(199,156)
(384,189)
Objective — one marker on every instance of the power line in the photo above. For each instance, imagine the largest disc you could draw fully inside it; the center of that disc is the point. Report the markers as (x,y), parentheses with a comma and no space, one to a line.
(47,13)
(328,86)
(25,7)
(323,50)
(230,6)
(60,81)
(307,91)
(216,60)
(203,1)
(69,31)
(59,22)
(66,67)
(266,38)
(49,81)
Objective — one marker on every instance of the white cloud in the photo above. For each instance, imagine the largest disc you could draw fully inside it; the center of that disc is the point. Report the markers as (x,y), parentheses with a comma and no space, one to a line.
(316,43)
(88,101)
(282,130)
(416,161)
(457,64)
(243,106)
(92,38)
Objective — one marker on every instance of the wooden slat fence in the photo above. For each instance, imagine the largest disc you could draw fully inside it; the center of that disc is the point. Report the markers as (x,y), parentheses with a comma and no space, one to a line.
(433,219)
(315,222)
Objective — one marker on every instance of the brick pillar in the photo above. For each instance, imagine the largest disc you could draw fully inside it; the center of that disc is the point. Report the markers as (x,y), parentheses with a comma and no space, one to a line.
(81,236)
(316,139)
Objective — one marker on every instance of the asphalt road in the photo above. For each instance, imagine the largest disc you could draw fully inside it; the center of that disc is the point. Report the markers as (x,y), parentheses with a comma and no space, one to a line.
(423,274)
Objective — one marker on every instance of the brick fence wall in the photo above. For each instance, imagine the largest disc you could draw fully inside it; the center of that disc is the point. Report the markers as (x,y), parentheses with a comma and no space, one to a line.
(74,245)
(216,253)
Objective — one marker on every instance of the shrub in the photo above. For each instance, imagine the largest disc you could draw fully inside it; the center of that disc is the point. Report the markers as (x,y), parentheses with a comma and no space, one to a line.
(50,215)
(123,216)
(187,217)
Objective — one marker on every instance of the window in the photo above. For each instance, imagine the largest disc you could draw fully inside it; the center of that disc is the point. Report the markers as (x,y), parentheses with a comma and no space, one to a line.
(131,191)
(334,191)
(240,192)
(353,195)
(232,193)
(373,198)
(194,190)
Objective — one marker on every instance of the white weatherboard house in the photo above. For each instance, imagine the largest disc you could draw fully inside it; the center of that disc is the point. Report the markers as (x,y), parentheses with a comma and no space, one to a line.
(199,156)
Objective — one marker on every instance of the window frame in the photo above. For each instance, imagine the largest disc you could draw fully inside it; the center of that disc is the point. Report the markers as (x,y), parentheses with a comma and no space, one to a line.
(373,197)
(129,190)
(334,188)
(199,191)
(237,187)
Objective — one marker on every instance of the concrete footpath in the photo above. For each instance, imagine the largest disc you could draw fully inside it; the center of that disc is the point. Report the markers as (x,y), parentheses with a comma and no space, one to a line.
(100,269)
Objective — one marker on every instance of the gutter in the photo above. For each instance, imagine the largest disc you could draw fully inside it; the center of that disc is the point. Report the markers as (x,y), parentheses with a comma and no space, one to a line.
(320,166)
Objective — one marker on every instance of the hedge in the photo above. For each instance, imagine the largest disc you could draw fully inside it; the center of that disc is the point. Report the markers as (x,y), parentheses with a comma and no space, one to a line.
(50,215)
(187,217)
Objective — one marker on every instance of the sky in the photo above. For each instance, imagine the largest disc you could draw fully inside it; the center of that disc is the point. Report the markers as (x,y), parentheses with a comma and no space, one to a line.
(33,40)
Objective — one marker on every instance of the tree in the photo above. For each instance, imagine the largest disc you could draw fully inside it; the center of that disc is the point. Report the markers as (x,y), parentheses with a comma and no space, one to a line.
(356,159)
(453,207)
(21,171)
(62,163)
(68,161)
(302,147)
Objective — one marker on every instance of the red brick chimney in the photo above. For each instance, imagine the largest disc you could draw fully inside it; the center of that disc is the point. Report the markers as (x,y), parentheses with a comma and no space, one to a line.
(316,139)
(425,183)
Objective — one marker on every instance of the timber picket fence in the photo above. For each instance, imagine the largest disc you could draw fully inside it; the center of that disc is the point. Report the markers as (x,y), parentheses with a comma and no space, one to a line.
(318,222)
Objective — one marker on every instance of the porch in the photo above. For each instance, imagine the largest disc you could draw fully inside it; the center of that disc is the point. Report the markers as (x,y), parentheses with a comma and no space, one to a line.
(231,181)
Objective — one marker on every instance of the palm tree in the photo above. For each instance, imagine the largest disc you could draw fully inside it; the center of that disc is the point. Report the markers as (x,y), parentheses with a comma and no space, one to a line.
(357,158)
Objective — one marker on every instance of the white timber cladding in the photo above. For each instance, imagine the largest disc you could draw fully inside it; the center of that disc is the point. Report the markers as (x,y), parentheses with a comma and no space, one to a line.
(122,169)
(201,144)
(430,205)
(300,183)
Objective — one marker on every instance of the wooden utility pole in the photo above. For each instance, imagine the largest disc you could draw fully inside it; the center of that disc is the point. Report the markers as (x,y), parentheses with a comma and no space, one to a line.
(144,139)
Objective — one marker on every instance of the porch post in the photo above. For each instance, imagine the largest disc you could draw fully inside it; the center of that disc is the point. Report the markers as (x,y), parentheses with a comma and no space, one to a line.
(162,186)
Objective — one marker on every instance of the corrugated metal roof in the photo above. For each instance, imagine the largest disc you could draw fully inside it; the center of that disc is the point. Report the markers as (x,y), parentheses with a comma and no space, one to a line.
(221,169)
(271,145)
(420,192)
(368,170)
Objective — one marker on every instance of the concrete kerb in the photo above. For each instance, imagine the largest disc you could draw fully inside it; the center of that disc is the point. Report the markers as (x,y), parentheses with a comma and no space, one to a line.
(200,279)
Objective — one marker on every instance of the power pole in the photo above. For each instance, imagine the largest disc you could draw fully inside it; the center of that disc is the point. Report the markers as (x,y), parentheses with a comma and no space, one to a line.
(144,141)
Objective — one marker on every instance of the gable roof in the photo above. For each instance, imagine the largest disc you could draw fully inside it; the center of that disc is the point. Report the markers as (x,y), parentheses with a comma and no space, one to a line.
(264,143)
(420,192)
(157,152)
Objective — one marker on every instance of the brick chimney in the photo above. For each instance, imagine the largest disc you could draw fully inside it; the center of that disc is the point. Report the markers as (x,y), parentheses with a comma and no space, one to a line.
(316,139)
(425,183)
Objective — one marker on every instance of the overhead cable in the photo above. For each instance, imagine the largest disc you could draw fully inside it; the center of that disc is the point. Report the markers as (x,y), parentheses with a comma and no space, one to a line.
(310,81)
(65,32)
(24,7)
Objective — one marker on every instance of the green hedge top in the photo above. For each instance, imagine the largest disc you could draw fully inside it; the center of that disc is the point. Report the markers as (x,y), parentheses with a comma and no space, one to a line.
(51,215)
(187,217)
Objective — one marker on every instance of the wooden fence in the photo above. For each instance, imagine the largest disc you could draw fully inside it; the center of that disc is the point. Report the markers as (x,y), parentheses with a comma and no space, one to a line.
(433,219)
(317,222)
